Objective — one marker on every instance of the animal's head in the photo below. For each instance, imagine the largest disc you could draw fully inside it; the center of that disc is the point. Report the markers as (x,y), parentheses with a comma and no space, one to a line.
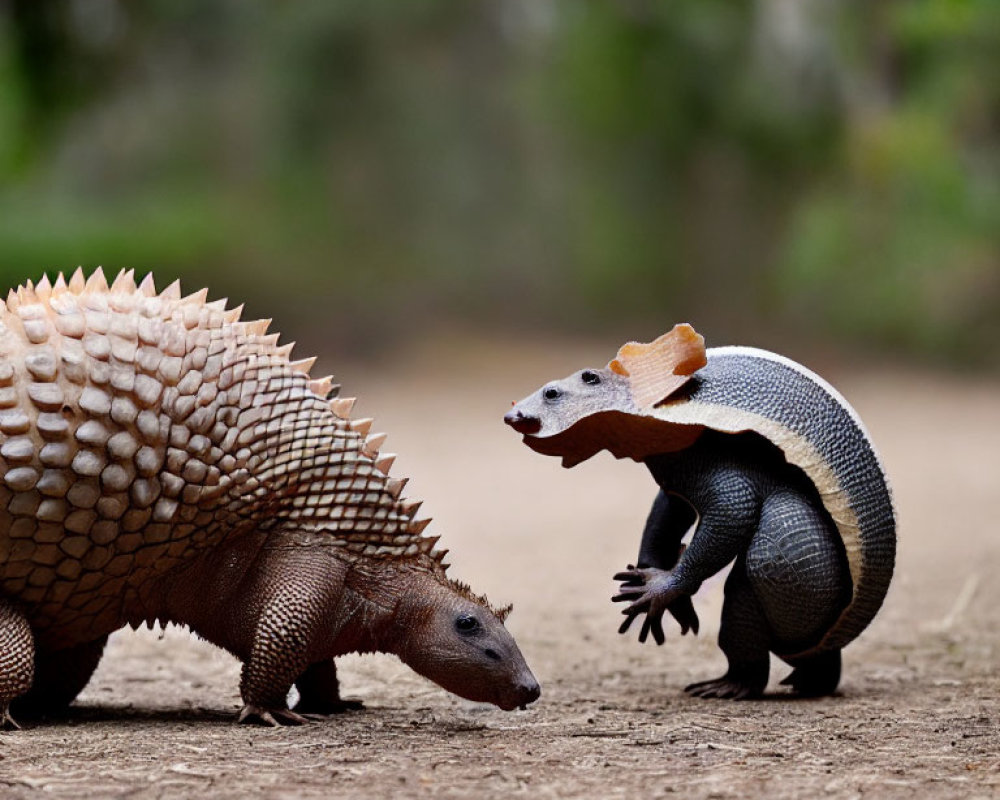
(608,408)
(459,641)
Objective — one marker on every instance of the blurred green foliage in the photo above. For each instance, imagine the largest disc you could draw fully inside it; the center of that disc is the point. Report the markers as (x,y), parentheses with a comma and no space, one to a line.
(827,171)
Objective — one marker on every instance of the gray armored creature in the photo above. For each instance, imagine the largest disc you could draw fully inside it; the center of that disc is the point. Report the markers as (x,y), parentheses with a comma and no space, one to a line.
(161,460)
(773,470)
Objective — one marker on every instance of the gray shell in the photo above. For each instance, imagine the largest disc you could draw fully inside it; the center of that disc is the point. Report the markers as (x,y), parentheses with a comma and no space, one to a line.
(746,389)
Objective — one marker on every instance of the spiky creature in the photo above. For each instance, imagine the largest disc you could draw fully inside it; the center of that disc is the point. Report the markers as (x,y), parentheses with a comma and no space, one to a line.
(162,460)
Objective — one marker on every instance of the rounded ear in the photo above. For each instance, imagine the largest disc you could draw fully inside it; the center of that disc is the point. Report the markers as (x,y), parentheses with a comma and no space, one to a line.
(658,369)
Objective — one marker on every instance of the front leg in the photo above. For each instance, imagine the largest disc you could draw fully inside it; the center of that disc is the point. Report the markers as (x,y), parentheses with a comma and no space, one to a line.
(319,691)
(296,601)
(646,583)
(724,530)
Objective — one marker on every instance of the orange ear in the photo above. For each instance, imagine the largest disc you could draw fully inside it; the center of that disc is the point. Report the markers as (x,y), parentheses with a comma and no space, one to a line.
(658,369)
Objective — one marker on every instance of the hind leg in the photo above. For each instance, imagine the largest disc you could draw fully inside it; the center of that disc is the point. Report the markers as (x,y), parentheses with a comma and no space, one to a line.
(798,570)
(744,637)
(17,659)
(319,691)
(59,677)
(816,676)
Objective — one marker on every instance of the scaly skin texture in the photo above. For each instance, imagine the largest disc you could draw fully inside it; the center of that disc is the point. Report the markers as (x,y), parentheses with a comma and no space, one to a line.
(163,460)
(774,473)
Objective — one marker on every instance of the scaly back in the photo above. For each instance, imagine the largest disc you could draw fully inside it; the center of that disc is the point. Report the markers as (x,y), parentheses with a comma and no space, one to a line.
(138,429)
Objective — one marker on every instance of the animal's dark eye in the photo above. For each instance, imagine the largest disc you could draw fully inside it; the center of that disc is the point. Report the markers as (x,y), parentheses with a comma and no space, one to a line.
(590,377)
(551,393)
(466,623)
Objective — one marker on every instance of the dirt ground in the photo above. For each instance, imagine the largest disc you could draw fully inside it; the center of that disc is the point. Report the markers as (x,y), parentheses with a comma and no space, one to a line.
(918,714)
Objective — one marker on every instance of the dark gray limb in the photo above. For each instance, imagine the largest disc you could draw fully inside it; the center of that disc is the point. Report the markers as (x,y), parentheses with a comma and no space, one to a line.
(669,519)
(319,691)
(726,526)
(798,569)
(59,677)
(744,638)
(815,676)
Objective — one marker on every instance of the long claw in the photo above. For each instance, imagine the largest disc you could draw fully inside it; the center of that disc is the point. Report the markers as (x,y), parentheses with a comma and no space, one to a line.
(274,717)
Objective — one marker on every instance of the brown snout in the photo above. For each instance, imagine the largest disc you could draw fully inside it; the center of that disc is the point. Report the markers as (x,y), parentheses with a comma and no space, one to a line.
(521,422)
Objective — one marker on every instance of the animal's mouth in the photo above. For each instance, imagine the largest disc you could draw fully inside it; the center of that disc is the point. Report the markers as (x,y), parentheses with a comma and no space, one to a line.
(524,695)
(522,423)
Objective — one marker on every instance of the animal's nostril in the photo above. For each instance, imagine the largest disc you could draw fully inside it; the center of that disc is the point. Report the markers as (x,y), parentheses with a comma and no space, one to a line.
(522,423)
(532,691)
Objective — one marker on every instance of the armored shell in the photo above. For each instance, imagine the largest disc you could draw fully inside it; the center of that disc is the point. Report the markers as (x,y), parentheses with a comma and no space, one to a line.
(139,429)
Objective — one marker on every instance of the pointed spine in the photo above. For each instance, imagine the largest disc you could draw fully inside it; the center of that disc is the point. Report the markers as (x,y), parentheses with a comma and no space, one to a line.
(373,443)
(97,282)
(198,297)
(321,386)
(384,463)
(148,286)
(172,292)
(77,281)
(233,314)
(303,365)
(342,406)
(417,526)
(44,288)
(124,282)
(361,426)
(395,486)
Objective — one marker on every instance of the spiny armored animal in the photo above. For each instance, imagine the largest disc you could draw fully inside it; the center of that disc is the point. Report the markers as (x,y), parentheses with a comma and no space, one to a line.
(774,470)
(162,460)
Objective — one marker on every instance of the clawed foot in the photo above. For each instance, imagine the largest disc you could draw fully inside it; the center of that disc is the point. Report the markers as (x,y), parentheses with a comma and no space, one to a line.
(7,722)
(326,708)
(650,592)
(728,687)
(275,717)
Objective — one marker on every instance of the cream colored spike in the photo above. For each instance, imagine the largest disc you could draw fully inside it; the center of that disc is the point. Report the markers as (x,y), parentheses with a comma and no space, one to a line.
(198,297)
(342,406)
(124,282)
(26,293)
(395,486)
(77,281)
(384,464)
(373,443)
(172,292)
(233,314)
(13,301)
(60,284)
(97,282)
(256,327)
(361,426)
(303,365)
(148,286)
(44,288)
(321,386)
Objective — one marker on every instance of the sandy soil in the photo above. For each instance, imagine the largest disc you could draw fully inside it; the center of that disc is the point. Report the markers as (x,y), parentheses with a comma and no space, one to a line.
(918,714)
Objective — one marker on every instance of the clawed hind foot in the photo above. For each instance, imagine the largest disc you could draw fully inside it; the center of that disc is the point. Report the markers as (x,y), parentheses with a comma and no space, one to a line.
(724,688)
(744,683)
(275,717)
